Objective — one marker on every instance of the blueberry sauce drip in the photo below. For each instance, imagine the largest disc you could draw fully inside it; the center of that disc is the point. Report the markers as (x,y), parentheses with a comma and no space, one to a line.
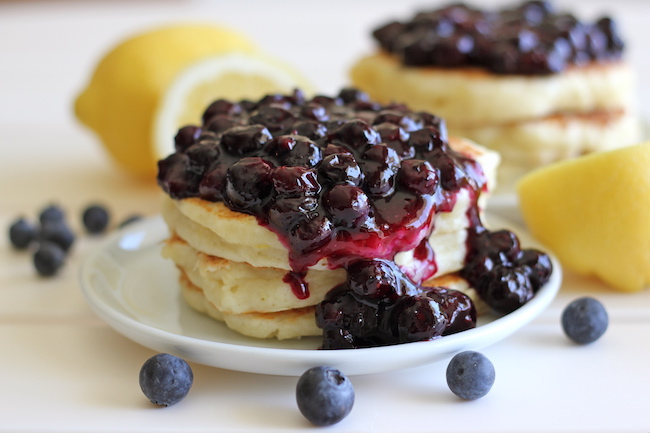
(530,38)
(378,305)
(504,275)
(342,179)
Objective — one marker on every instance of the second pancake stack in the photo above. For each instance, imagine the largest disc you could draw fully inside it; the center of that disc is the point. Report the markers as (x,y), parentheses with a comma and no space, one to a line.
(534,84)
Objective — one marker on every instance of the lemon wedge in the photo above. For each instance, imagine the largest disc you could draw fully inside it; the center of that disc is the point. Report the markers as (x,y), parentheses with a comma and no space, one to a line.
(592,212)
(129,101)
(231,76)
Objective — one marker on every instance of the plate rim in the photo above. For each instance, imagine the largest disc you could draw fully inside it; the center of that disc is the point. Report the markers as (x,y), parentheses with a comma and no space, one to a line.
(127,325)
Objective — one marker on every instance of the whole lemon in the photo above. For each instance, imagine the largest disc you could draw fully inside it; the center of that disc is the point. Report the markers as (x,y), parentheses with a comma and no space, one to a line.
(121,100)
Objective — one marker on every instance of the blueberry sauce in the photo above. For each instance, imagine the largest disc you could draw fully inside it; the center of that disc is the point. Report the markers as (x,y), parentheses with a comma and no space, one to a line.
(530,38)
(378,305)
(504,275)
(346,180)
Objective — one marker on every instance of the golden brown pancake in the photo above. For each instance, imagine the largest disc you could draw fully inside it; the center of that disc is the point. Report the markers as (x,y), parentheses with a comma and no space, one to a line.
(290,323)
(471,97)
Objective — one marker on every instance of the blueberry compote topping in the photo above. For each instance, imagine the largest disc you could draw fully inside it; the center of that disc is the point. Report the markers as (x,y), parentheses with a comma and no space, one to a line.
(530,38)
(346,180)
(378,305)
(504,275)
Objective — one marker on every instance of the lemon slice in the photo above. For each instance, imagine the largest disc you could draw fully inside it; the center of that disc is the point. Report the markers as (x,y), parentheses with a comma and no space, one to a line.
(233,76)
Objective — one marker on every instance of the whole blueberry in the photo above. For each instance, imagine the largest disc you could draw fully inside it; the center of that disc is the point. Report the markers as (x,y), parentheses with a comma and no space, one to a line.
(51,213)
(418,318)
(186,137)
(341,168)
(21,233)
(221,107)
(374,278)
(293,181)
(324,395)
(311,234)
(470,375)
(347,205)
(240,140)
(584,320)
(248,182)
(48,258)
(350,94)
(165,379)
(95,218)
(57,231)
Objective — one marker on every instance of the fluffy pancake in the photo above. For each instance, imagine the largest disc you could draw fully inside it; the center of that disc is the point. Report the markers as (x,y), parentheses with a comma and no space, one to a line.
(282,325)
(525,146)
(472,97)
(186,218)
(291,323)
(238,287)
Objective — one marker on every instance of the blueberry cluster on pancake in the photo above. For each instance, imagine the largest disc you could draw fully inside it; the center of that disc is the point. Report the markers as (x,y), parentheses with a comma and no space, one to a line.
(338,216)
(536,84)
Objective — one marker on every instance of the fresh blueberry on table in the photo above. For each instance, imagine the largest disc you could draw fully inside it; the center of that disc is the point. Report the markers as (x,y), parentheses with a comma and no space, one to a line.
(48,258)
(324,395)
(470,375)
(166,379)
(21,233)
(585,320)
(58,232)
(51,213)
(95,218)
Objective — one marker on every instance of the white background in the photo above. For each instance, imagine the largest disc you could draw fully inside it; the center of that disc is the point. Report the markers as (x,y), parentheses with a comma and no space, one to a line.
(62,369)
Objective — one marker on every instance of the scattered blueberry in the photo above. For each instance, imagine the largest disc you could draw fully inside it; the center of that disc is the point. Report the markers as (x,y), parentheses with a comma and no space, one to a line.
(52,213)
(165,379)
(584,320)
(324,395)
(470,375)
(48,258)
(52,237)
(21,233)
(58,232)
(95,218)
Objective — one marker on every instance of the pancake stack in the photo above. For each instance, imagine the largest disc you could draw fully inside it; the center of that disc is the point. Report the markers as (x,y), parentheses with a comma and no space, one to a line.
(234,269)
(289,216)
(534,84)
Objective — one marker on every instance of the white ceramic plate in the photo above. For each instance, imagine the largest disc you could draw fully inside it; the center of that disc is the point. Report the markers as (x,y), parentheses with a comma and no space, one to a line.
(131,287)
